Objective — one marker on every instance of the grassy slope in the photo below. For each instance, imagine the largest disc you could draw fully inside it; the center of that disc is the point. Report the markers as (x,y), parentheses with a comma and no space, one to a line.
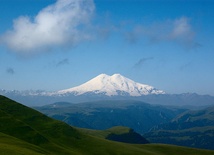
(161,149)
(104,133)
(12,145)
(26,131)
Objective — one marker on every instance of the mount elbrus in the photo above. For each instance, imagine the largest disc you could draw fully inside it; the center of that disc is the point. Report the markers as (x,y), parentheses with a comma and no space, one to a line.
(105,87)
(112,86)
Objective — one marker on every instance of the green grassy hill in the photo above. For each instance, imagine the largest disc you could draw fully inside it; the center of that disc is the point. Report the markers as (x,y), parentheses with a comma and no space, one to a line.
(26,131)
(118,133)
(15,146)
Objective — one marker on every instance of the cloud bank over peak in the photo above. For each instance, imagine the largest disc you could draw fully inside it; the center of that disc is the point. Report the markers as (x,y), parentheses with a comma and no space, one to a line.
(59,24)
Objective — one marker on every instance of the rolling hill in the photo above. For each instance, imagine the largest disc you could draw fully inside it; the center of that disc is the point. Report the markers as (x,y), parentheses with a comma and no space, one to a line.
(118,133)
(26,131)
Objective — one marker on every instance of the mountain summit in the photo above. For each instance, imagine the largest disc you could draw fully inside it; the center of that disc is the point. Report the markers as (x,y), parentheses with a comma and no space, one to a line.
(112,86)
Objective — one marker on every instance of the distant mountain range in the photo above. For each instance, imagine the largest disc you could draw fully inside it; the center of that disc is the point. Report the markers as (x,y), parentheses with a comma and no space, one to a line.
(102,115)
(115,85)
(191,128)
(105,87)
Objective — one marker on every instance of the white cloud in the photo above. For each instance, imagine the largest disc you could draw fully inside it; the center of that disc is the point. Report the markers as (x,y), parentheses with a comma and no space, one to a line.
(181,27)
(60,24)
(178,30)
(182,30)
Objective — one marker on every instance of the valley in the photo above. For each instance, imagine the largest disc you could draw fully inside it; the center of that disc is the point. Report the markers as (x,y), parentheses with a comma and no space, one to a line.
(159,124)
(24,130)
(105,114)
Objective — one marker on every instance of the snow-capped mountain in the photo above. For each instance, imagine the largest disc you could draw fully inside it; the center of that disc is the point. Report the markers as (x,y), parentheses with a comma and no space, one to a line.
(112,86)
(105,87)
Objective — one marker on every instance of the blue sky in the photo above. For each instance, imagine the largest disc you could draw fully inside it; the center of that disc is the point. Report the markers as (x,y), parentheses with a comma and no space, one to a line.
(53,45)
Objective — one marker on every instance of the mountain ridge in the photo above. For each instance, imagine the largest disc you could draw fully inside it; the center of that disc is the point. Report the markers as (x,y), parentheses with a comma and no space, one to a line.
(105,87)
(192,128)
